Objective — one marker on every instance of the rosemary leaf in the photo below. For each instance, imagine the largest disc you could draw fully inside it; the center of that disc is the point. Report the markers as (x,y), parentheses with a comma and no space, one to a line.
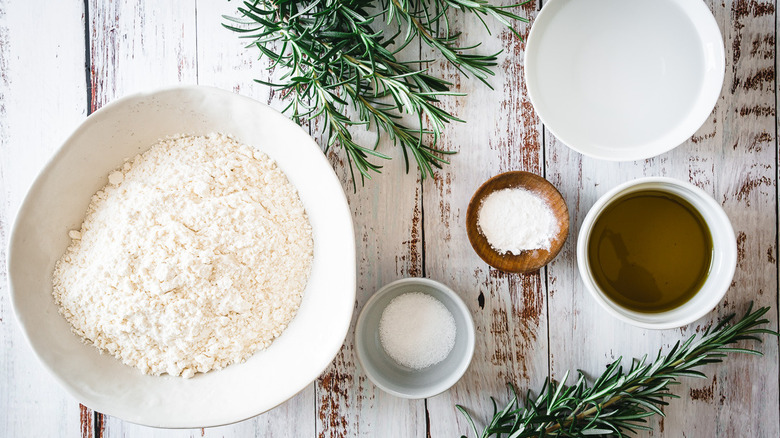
(619,402)
(336,64)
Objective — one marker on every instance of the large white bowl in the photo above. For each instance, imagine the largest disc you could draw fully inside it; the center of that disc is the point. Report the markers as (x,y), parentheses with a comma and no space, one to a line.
(58,200)
(624,80)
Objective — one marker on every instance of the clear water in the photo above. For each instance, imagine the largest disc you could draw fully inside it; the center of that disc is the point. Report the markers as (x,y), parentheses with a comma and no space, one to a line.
(619,71)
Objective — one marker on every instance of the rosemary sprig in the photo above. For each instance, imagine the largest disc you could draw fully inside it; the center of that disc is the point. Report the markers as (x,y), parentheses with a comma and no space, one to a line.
(340,54)
(618,402)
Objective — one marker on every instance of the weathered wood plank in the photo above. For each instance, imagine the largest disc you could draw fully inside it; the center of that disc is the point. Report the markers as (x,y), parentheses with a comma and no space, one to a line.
(731,157)
(502,133)
(224,61)
(140,46)
(387,220)
(745,392)
(42,98)
(387,217)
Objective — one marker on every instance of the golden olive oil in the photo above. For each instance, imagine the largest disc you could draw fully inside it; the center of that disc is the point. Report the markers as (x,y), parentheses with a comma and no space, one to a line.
(650,251)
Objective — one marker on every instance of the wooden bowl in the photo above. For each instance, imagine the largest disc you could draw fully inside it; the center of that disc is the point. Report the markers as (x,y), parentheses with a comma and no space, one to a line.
(526,261)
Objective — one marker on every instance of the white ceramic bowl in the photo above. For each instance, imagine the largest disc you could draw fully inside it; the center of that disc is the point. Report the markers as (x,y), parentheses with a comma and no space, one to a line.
(723,265)
(58,200)
(624,80)
(397,379)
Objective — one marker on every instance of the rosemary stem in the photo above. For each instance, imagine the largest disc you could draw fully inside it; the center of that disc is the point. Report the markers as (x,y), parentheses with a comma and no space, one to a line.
(631,396)
(333,55)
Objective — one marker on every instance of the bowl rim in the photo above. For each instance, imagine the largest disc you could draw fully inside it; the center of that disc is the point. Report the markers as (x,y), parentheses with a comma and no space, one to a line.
(721,287)
(343,327)
(463,364)
(695,118)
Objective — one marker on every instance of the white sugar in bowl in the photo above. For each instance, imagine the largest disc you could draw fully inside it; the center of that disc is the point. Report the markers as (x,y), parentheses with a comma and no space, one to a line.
(404,381)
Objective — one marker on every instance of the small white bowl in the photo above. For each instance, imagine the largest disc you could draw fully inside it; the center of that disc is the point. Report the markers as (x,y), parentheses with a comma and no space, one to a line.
(58,201)
(624,80)
(723,265)
(397,379)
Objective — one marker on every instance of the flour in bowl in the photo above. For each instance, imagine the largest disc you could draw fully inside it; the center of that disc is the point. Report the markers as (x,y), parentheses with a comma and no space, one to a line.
(194,256)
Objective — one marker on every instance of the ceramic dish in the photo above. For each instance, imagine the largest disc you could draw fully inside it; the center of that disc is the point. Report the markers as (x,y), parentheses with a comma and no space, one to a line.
(397,379)
(624,79)
(58,199)
(723,265)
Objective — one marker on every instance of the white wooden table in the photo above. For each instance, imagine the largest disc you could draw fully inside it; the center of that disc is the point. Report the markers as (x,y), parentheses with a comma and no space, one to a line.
(61,60)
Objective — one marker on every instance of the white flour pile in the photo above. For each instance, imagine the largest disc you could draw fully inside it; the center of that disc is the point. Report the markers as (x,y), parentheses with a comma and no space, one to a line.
(516,220)
(193,257)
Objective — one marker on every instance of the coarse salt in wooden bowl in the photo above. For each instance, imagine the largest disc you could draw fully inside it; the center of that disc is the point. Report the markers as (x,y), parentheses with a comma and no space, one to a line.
(526,261)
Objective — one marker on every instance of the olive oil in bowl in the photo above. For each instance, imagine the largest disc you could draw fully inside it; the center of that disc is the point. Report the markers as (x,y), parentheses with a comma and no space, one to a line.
(650,251)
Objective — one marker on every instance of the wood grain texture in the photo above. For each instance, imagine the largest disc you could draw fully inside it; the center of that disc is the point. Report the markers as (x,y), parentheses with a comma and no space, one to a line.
(139,46)
(387,220)
(387,217)
(502,133)
(224,61)
(528,326)
(728,158)
(42,98)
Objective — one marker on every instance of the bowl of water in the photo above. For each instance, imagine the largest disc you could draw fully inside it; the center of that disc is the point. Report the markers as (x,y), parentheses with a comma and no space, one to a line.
(624,80)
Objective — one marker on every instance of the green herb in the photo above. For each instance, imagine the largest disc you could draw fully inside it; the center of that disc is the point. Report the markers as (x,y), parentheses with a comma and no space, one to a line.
(619,402)
(339,54)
